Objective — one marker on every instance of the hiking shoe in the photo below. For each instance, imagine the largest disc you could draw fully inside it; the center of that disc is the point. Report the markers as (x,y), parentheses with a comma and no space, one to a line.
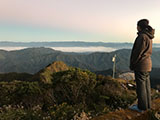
(135,108)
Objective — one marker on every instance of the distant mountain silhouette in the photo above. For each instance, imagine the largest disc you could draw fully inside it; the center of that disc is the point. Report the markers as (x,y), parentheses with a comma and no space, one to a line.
(71,44)
(8,77)
(155,78)
(108,72)
(65,44)
(31,60)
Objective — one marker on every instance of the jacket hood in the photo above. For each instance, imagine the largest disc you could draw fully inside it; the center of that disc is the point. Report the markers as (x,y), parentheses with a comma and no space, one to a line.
(150,34)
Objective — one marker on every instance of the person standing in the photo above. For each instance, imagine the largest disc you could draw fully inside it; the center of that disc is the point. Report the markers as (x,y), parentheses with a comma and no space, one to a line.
(141,64)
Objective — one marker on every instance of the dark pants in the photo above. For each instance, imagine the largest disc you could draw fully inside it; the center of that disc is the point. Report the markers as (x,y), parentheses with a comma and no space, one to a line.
(143,90)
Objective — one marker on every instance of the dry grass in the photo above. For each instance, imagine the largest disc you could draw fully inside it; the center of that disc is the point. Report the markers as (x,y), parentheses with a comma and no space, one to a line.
(129,114)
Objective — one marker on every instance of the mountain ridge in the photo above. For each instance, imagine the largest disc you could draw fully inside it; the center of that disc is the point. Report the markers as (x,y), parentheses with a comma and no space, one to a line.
(31,60)
(70,44)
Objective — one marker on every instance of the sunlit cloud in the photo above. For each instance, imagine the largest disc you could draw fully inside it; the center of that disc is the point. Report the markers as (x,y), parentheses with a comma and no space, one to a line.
(68,49)
(84,49)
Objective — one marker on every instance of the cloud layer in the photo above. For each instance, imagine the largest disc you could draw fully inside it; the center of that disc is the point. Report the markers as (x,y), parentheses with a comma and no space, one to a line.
(68,49)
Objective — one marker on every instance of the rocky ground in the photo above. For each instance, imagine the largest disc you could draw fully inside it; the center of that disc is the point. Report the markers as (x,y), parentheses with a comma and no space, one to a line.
(127,114)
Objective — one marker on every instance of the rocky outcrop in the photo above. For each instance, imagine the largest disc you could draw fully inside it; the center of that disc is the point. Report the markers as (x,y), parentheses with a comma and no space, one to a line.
(45,75)
(127,76)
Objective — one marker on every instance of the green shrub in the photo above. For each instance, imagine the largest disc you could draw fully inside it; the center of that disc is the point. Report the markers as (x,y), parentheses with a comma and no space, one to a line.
(113,93)
(69,94)
(73,86)
(27,94)
(18,112)
(62,112)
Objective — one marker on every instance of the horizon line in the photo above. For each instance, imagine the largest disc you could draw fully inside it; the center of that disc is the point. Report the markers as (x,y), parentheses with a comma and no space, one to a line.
(62,41)
(67,42)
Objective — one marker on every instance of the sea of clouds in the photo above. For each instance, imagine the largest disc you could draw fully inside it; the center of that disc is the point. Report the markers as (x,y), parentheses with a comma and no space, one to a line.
(69,49)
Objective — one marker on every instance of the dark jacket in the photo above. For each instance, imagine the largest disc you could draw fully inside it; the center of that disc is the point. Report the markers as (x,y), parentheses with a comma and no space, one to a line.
(140,59)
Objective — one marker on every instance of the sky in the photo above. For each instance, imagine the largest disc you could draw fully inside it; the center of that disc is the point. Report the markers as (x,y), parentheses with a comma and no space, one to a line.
(76,20)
